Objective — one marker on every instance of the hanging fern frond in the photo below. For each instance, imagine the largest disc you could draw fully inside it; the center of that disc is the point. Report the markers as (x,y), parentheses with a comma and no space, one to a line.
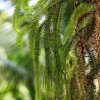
(64,57)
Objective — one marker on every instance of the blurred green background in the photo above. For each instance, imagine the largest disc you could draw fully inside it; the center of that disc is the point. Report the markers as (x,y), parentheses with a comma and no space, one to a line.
(16,66)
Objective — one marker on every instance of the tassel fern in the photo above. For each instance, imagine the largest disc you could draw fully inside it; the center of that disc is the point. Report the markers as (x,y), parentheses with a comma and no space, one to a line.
(65,70)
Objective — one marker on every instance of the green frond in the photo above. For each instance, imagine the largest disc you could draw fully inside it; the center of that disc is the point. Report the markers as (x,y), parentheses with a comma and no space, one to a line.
(62,68)
(70,28)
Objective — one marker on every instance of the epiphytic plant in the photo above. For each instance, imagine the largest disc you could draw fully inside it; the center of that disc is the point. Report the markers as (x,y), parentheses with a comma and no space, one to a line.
(71,55)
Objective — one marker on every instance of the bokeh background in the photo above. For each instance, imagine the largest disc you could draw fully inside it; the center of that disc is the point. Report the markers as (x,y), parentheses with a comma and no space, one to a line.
(16,65)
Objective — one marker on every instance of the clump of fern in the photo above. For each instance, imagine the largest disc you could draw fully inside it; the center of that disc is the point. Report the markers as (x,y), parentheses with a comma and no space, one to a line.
(62,77)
